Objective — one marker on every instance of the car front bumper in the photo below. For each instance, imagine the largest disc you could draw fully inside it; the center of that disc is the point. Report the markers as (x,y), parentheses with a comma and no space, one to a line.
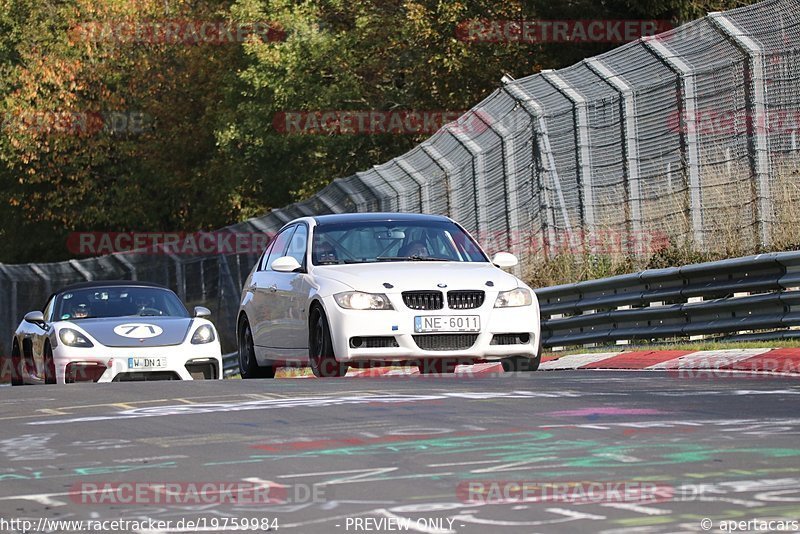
(399,325)
(119,362)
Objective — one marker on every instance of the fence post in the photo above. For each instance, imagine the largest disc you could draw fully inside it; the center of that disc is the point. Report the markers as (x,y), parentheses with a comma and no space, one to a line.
(359,200)
(402,200)
(447,168)
(422,182)
(382,200)
(509,183)
(630,147)
(757,119)
(321,196)
(81,269)
(545,159)
(478,174)
(583,158)
(8,322)
(180,277)
(127,263)
(687,111)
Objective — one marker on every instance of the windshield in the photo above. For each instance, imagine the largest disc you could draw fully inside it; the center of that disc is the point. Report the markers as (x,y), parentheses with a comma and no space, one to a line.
(118,301)
(377,241)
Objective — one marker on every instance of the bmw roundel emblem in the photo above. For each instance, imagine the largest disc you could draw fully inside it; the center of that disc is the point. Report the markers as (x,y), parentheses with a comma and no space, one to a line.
(441,285)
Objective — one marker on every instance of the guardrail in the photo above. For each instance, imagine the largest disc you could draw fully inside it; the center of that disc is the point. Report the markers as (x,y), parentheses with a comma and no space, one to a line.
(744,297)
(230,364)
(757,294)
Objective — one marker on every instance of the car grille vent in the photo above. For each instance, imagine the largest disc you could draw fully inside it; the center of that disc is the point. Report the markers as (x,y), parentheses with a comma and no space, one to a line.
(446,341)
(423,300)
(464,300)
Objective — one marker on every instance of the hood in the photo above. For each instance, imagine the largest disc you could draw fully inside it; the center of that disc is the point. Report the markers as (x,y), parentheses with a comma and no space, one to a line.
(135,331)
(420,275)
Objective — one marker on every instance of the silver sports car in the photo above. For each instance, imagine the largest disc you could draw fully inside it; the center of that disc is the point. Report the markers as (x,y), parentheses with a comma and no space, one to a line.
(110,331)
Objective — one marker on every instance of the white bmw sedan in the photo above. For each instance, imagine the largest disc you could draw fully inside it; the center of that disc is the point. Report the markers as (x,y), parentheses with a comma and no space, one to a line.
(112,331)
(361,289)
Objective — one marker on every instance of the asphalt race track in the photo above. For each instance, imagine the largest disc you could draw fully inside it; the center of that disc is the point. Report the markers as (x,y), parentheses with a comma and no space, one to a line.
(575,451)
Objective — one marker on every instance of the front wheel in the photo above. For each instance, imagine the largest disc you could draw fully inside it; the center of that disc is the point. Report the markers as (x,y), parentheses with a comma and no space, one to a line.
(321,356)
(522,363)
(49,366)
(248,366)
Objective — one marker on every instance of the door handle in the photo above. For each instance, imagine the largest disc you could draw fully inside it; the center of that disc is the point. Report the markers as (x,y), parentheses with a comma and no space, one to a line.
(273,288)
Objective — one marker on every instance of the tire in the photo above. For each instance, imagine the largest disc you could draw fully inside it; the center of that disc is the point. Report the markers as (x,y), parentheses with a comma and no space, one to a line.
(248,366)
(49,365)
(439,366)
(321,356)
(523,364)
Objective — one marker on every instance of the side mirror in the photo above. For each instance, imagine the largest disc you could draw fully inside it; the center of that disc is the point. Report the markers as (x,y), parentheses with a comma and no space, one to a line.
(285,264)
(35,317)
(504,260)
(201,311)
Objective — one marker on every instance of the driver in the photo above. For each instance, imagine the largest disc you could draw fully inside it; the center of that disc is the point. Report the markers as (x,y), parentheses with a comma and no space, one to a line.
(415,248)
(324,251)
(145,304)
(81,311)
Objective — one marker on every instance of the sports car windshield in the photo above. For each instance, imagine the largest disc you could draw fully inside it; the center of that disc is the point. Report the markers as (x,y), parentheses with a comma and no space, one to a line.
(118,301)
(382,241)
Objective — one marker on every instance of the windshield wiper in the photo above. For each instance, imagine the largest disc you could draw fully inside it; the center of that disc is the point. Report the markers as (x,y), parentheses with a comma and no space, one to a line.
(409,258)
(328,262)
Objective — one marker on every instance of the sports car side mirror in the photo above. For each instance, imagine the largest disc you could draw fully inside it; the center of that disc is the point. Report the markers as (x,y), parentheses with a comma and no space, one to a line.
(201,311)
(35,317)
(504,259)
(285,264)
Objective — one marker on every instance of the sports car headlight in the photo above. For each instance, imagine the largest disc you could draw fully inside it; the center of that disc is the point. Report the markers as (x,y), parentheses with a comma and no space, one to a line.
(356,300)
(204,334)
(511,299)
(73,338)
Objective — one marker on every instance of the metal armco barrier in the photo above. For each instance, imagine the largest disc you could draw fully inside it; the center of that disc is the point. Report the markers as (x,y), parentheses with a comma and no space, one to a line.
(759,294)
(754,293)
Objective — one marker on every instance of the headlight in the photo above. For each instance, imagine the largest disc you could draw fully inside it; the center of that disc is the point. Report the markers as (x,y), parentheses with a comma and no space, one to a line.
(356,300)
(204,334)
(73,338)
(511,299)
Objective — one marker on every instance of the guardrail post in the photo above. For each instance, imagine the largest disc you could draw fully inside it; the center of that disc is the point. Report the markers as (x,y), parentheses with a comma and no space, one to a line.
(422,182)
(447,168)
(478,173)
(757,120)
(545,160)
(630,147)
(687,111)
(583,158)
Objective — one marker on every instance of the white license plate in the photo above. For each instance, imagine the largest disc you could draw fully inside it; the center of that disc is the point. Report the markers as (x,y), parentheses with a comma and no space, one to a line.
(447,323)
(147,363)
